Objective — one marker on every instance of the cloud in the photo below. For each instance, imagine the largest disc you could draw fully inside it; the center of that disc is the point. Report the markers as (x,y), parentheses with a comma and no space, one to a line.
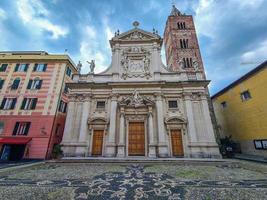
(35,15)
(94,46)
(2,14)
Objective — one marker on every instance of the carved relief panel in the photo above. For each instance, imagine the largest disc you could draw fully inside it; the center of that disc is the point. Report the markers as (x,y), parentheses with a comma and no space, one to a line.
(135,62)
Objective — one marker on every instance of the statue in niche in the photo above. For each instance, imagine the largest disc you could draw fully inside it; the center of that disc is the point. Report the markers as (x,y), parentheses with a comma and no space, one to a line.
(146,64)
(92,66)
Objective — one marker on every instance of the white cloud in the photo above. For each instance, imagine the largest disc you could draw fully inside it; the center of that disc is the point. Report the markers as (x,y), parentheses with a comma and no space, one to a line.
(2,14)
(256,55)
(94,46)
(35,15)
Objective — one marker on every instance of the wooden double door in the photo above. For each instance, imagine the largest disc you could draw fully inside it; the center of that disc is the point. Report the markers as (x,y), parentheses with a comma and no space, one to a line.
(177,143)
(136,139)
(97,142)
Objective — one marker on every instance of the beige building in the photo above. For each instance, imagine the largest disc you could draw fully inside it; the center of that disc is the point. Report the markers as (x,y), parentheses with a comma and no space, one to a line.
(138,106)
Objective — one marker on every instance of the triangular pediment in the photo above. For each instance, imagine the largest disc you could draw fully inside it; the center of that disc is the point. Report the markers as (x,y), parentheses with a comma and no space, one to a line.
(136,34)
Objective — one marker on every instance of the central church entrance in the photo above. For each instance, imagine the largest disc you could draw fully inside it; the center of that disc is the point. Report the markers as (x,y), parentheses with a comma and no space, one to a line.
(136,138)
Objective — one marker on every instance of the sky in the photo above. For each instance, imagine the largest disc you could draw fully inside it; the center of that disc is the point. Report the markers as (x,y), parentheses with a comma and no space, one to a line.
(232,34)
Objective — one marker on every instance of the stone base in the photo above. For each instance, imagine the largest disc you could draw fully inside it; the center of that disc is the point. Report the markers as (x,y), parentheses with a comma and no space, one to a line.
(163,151)
(152,151)
(110,150)
(121,151)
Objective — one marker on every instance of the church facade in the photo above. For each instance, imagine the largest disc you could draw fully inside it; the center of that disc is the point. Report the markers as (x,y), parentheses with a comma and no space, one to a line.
(138,106)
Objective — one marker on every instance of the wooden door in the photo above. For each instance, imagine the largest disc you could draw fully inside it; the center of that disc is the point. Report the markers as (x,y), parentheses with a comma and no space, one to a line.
(136,138)
(177,143)
(97,143)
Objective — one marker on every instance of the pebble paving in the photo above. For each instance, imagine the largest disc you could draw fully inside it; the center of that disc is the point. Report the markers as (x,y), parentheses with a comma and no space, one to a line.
(136,181)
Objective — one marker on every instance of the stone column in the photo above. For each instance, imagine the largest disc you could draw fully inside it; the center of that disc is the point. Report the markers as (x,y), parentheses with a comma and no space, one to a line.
(121,145)
(208,123)
(162,143)
(111,145)
(190,118)
(83,135)
(152,145)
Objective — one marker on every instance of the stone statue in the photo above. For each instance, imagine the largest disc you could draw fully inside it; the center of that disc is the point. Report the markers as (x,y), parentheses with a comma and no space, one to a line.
(79,67)
(92,66)
(137,100)
(146,64)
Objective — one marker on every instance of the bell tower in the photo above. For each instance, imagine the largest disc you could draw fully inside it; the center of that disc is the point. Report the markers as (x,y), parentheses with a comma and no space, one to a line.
(181,45)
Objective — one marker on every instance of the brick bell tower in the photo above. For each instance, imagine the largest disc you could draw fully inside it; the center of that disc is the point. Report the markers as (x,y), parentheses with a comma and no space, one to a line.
(181,45)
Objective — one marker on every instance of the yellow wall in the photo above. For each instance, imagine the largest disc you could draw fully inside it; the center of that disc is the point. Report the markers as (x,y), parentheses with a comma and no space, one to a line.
(244,120)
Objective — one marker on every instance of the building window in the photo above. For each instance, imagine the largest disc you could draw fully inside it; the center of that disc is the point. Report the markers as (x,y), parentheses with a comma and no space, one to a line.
(35,84)
(1,127)
(245,95)
(21,128)
(21,67)
(39,67)
(184,43)
(15,84)
(100,104)
(260,144)
(8,103)
(224,104)
(29,103)
(172,104)
(2,81)
(68,72)
(62,107)
(188,62)
(181,25)
(3,67)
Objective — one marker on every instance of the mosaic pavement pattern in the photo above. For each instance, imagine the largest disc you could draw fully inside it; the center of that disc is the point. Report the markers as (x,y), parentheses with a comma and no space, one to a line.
(133,183)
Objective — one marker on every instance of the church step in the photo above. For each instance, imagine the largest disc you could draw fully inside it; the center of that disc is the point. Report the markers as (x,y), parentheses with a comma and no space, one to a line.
(137,160)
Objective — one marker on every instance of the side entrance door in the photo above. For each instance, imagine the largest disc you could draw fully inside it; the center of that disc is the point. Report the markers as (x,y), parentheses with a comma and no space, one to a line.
(177,143)
(97,143)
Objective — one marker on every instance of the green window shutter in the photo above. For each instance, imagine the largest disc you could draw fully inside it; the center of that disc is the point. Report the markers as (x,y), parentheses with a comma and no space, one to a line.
(35,67)
(29,84)
(3,104)
(28,125)
(15,84)
(45,66)
(17,67)
(1,83)
(23,104)
(40,84)
(16,128)
(26,67)
(34,103)
(13,103)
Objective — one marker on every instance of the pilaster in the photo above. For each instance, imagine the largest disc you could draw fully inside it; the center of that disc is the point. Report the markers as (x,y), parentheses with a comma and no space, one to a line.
(162,142)
(111,145)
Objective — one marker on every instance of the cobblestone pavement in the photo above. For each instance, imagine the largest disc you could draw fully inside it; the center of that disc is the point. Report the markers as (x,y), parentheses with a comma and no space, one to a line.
(238,180)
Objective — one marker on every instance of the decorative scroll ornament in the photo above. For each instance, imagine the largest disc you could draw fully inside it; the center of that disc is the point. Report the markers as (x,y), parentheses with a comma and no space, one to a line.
(136,100)
(136,63)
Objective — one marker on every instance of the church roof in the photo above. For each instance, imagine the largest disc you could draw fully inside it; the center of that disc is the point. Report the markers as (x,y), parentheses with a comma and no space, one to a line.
(175,11)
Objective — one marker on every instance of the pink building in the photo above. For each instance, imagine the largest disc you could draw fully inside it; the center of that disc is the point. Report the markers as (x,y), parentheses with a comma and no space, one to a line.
(33,103)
